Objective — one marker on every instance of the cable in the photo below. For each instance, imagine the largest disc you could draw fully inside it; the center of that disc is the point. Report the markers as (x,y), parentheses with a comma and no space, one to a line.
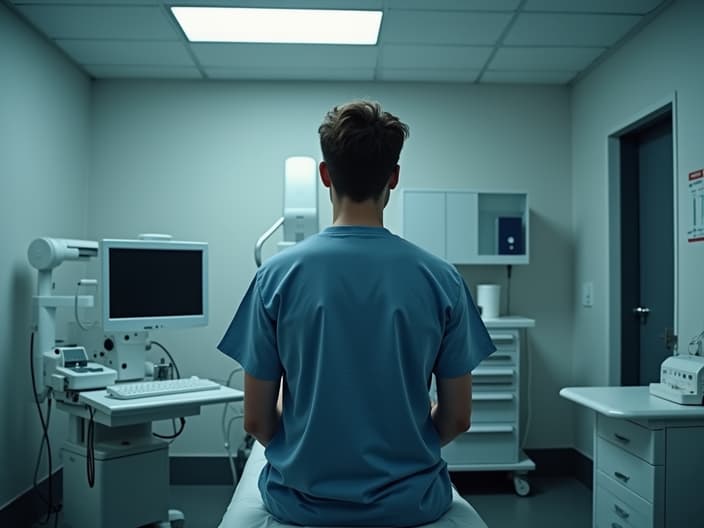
(178,374)
(226,429)
(176,433)
(90,449)
(75,305)
(509,268)
(696,344)
(182,420)
(48,502)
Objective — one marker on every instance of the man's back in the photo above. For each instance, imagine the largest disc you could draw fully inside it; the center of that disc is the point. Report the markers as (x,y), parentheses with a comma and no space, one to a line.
(359,319)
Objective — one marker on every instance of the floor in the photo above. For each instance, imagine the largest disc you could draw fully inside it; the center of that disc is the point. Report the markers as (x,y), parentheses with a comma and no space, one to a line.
(551,502)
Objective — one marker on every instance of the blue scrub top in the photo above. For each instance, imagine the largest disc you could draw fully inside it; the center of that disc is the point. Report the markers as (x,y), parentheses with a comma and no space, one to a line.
(356,319)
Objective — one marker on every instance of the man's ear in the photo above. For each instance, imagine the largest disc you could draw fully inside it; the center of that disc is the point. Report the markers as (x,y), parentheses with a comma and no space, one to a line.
(393,180)
(324,174)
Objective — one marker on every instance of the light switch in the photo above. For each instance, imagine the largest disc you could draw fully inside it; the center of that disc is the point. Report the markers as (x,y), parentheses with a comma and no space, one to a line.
(588,294)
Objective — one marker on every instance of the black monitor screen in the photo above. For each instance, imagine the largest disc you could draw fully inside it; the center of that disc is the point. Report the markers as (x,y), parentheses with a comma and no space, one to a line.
(155,283)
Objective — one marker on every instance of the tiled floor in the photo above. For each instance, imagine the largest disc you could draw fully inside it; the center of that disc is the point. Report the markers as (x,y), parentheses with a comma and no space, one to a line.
(553,502)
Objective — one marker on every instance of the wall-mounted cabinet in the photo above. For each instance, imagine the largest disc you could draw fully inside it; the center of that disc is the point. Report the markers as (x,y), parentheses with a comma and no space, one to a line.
(468,227)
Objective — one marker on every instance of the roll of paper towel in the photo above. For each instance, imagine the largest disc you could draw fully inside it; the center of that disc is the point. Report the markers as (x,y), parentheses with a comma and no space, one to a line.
(489,300)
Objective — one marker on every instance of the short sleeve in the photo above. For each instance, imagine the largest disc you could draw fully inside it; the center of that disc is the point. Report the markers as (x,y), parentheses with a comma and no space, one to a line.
(466,341)
(251,337)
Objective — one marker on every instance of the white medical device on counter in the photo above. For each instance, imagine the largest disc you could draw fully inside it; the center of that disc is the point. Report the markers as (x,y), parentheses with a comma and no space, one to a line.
(68,369)
(49,362)
(300,219)
(681,380)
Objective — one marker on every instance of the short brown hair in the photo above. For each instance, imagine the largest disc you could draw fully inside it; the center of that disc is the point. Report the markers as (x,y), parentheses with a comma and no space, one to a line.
(361,145)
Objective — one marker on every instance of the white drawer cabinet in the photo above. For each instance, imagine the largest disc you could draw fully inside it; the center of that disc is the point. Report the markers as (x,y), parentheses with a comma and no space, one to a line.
(648,461)
(629,475)
(492,443)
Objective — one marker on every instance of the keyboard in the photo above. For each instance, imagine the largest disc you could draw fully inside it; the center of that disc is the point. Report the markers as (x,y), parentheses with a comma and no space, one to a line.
(146,389)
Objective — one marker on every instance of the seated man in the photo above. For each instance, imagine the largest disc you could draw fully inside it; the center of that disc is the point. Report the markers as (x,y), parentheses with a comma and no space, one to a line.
(339,336)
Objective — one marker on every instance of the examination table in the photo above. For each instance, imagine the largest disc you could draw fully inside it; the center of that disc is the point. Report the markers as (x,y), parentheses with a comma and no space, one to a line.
(246,510)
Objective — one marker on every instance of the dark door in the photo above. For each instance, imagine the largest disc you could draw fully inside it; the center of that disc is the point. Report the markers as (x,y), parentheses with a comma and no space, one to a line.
(647,250)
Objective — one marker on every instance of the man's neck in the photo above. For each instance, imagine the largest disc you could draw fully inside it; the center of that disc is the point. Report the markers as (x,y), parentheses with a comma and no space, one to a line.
(350,213)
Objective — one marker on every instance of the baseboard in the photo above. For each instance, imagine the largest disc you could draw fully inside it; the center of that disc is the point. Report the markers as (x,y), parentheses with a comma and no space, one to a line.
(28,508)
(564,462)
(584,470)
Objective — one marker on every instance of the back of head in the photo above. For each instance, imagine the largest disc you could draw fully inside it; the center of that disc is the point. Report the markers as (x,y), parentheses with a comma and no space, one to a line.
(361,145)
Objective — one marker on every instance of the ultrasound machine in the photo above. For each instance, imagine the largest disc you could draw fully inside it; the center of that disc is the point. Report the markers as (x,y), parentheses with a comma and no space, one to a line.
(115,468)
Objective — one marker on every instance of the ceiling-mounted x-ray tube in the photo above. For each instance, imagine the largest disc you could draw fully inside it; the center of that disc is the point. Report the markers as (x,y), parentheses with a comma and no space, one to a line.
(300,218)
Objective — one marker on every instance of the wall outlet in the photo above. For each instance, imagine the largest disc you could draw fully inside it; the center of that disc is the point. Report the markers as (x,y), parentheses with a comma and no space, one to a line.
(588,294)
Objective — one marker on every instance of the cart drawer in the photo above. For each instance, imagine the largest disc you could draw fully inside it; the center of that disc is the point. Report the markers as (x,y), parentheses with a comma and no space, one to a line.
(493,407)
(506,344)
(483,375)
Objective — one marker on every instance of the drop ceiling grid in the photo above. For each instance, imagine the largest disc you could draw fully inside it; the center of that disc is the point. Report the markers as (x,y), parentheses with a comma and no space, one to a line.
(440,40)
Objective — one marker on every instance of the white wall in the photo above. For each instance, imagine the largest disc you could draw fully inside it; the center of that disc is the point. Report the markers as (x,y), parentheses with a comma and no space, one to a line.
(44,138)
(205,161)
(666,57)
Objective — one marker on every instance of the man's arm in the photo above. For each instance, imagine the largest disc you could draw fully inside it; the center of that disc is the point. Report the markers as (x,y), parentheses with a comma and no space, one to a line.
(262,407)
(452,412)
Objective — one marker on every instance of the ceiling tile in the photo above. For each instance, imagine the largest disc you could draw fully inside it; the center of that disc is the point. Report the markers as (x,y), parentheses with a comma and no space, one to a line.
(410,56)
(291,74)
(428,74)
(638,7)
(267,56)
(101,22)
(455,5)
(65,2)
(525,77)
(126,52)
(532,29)
(142,72)
(443,27)
(546,59)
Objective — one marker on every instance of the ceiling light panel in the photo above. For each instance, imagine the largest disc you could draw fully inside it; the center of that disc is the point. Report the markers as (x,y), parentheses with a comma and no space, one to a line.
(283,26)
(444,27)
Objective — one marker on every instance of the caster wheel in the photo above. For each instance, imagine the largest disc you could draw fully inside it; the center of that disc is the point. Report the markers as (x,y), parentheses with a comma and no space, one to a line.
(521,485)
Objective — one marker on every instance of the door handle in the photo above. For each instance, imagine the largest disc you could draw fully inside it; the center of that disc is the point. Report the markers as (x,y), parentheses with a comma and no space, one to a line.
(641,312)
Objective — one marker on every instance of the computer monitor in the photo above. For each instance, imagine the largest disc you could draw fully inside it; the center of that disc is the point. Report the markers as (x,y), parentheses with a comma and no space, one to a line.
(148,284)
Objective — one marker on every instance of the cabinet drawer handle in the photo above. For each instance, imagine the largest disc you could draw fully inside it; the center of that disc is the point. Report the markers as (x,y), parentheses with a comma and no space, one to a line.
(622,438)
(616,525)
(621,476)
(621,512)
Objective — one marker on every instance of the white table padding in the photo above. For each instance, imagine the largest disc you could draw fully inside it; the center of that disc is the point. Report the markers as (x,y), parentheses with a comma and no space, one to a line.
(246,510)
